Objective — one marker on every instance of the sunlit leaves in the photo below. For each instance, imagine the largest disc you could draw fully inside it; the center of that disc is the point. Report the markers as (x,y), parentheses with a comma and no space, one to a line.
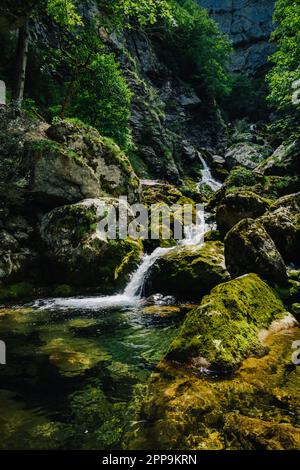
(286,59)
(64,12)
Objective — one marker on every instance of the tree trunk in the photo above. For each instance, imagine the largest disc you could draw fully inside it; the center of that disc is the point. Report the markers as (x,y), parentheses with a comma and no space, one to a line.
(22,55)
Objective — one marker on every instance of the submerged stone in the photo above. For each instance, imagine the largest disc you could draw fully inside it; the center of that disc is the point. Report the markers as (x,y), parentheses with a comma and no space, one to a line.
(256,408)
(188,270)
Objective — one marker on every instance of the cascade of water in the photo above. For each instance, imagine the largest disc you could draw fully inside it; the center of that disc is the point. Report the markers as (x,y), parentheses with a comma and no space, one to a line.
(194,235)
(207,177)
(135,286)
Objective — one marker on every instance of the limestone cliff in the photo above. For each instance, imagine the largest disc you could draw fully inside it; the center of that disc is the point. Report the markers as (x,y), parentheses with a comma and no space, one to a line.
(249,24)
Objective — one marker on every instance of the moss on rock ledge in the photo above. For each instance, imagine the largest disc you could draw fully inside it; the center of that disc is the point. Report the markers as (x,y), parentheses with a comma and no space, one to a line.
(225,328)
(188,270)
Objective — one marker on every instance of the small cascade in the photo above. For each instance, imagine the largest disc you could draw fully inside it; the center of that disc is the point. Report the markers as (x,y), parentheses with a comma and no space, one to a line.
(194,235)
(137,281)
(207,177)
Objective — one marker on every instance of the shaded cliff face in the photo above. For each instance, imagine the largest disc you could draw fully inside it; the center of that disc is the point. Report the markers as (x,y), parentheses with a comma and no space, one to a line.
(249,24)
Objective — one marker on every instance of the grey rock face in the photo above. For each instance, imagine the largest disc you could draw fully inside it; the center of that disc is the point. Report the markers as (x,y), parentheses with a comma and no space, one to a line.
(248,23)
(17,246)
(61,164)
(77,251)
(169,121)
(250,249)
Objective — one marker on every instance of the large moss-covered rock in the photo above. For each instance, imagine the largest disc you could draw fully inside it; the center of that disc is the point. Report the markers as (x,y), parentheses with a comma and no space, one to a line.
(255,408)
(249,248)
(282,223)
(225,328)
(78,252)
(60,164)
(285,160)
(188,270)
(239,205)
(246,154)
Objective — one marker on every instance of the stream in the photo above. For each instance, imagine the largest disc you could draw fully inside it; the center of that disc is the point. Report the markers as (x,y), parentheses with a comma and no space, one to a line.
(76,366)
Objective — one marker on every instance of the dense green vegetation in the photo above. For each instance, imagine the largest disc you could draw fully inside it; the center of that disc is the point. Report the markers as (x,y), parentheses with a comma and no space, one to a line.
(284,77)
(198,48)
(80,78)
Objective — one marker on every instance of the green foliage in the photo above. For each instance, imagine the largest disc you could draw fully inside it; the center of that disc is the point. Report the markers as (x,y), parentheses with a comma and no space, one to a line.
(198,47)
(64,13)
(286,70)
(16,291)
(247,98)
(125,13)
(240,177)
(102,99)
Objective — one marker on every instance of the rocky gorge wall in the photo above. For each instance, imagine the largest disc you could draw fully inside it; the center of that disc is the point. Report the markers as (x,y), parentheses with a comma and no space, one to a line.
(248,23)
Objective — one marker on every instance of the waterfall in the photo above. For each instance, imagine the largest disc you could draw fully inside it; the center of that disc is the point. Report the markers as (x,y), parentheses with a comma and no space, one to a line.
(132,294)
(135,286)
(207,177)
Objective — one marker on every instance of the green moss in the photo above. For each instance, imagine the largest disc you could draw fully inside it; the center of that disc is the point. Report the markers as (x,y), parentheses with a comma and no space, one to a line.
(255,408)
(188,271)
(240,177)
(63,290)
(224,328)
(16,291)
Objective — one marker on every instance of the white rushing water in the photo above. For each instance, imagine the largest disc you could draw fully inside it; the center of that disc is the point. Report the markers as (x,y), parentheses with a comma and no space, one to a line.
(207,177)
(194,235)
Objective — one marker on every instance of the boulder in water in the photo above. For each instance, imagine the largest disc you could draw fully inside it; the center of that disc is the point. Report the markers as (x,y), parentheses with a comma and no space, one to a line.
(282,223)
(188,270)
(225,328)
(76,252)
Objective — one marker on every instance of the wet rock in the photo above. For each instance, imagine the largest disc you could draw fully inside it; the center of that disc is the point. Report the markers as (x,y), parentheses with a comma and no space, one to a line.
(65,163)
(180,409)
(245,154)
(79,253)
(188,270)
(225,328)
(282,223)
(239,205)
(249,248)
(262,434)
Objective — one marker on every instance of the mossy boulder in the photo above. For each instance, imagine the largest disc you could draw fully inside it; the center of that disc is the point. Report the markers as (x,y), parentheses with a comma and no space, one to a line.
(188,270)
(225,328)
(246,154)
(285,160)
(79,253)
(249,248)
(61,164)
(16,291)
(256,408)
(282,223)
(239,205)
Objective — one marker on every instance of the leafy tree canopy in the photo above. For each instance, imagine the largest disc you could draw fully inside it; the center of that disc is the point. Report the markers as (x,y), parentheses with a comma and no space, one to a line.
(286,59)
(199,46)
